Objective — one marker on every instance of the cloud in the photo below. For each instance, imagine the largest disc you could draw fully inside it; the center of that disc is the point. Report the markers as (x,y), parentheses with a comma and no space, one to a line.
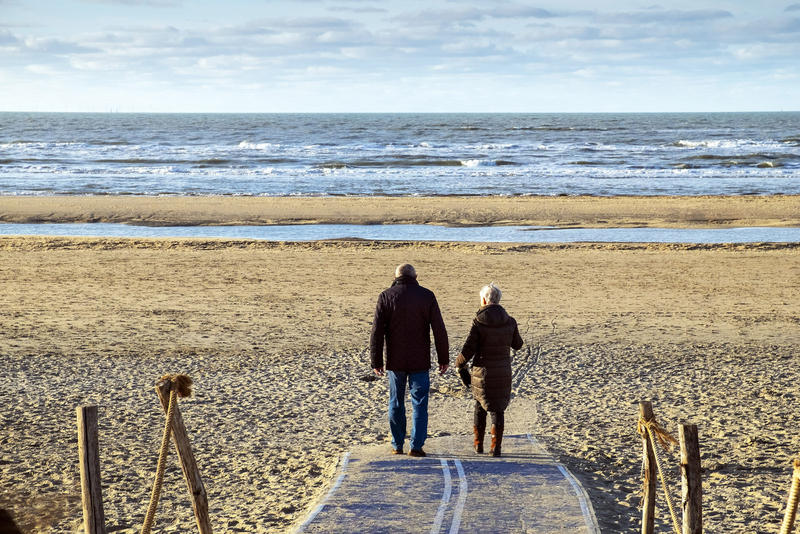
(341,42)
(657,15)
(365,9)
(49,46)
(7,38)
(466,15)
(518,11)
(792,7)
(147,3)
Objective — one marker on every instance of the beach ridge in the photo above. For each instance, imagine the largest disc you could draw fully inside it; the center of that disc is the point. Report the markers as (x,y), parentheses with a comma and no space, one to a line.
(556,211)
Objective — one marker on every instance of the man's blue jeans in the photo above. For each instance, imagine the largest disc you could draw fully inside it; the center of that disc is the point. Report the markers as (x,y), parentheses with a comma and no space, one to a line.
(418,386)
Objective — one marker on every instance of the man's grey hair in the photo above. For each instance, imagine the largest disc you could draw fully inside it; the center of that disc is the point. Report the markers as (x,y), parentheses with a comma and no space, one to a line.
(491,293)
(406,269)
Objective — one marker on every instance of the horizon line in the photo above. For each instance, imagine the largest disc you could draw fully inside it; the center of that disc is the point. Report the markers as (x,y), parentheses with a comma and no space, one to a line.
(116,112)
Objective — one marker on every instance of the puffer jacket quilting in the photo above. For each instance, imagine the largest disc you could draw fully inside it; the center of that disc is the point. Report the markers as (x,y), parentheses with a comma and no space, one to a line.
(492,336)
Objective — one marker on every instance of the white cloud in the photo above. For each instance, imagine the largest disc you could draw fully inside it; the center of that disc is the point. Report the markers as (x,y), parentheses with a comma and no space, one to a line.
(667,16)
(7,38)
(341,42)
(44,70)
(147,3)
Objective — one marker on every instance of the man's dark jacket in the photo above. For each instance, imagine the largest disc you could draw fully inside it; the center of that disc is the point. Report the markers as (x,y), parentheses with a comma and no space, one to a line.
(492,336)
(404,316)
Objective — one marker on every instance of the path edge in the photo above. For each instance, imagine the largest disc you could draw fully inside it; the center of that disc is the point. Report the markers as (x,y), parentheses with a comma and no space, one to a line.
(587,509)
(319,504)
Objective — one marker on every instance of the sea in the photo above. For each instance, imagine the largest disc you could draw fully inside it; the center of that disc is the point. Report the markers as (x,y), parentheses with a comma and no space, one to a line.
(601,154)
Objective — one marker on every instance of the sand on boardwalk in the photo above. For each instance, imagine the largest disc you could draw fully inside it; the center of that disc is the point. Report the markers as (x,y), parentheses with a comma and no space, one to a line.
(275,337)
(585,211)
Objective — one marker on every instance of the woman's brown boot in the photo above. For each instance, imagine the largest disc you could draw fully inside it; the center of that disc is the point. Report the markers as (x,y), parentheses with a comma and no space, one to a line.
(479,433)
(497,439)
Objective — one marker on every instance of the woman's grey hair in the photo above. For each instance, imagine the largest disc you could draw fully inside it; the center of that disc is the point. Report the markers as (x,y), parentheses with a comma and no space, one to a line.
(405,269)
(491,293)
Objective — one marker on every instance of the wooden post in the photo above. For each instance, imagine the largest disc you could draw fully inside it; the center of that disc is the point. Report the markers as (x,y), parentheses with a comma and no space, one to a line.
(650,473)
(7,525)
(691,482)
(791,505)
(88,450)
(190,471)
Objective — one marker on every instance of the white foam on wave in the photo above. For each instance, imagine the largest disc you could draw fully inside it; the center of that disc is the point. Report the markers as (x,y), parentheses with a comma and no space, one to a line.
(477,163)
(258,146)
(727,143)
(493,146)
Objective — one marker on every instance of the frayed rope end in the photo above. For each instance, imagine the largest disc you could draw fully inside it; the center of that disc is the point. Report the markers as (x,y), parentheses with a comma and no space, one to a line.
(182,383)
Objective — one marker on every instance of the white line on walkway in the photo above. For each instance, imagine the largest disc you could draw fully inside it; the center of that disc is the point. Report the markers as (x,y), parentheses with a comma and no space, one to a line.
(321,505)
(462,497)
(448,490)
(583,499)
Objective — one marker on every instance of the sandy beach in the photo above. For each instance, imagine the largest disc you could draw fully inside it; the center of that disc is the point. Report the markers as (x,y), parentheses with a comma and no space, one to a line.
(582,211)
(275,336)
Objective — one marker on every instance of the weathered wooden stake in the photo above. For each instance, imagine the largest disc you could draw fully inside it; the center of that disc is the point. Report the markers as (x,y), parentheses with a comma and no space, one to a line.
(7,525)
(190,470)
(88,450)
(691,482)
(791,505)
(650,471)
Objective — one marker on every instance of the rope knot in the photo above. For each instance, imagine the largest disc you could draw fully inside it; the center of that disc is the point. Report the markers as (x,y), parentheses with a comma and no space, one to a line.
(181,383)
(666,439)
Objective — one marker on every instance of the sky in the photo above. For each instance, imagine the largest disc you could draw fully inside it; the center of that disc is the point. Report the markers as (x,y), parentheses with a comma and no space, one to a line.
(408,56)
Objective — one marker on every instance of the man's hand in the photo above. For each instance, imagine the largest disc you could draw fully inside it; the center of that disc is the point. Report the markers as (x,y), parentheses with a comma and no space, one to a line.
(378,371)
(443,369)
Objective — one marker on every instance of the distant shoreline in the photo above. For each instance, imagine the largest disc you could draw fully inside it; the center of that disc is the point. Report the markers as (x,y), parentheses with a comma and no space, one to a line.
(112,112)
(559,211)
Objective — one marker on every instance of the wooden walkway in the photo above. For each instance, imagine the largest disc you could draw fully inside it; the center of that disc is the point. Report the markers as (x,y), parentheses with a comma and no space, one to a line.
(453,490)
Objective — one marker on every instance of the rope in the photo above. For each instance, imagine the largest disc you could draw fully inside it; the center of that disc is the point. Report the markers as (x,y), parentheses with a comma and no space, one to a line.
(654,430)
(162,463)
(791,506)
(179,385)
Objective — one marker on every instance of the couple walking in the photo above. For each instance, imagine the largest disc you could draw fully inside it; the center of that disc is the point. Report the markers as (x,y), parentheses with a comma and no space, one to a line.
(404,317)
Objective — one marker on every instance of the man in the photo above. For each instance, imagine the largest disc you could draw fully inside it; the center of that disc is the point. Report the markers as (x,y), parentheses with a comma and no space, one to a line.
(404,316)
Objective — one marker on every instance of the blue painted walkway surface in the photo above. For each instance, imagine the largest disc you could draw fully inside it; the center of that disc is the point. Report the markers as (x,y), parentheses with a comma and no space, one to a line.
(453,490)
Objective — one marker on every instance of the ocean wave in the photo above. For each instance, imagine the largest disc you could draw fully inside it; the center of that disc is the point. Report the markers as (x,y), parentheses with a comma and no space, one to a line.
(390,163)
(727,143)
(548,128)
(792,141)
(103,142)
(258,146)
(413,162)
(157,161)
(759,159)
(753,155)
(492,146)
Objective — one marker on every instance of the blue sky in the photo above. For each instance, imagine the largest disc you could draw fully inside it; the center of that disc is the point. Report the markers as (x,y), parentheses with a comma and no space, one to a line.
(365,55)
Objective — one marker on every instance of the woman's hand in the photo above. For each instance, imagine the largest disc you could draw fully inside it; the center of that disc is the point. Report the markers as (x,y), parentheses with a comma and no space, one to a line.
(463,373)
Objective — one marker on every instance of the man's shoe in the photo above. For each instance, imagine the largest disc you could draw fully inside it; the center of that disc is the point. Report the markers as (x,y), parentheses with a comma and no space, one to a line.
(417,453)
(397,451)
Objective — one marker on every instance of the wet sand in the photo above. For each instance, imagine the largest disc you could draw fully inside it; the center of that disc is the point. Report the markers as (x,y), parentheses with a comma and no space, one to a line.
(275,336)
(596,212)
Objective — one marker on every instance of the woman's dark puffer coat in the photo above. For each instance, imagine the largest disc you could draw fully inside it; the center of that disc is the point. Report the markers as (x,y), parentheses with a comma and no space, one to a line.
(492,336)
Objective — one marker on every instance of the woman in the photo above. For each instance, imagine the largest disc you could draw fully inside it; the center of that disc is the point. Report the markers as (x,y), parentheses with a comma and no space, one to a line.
(490,339)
